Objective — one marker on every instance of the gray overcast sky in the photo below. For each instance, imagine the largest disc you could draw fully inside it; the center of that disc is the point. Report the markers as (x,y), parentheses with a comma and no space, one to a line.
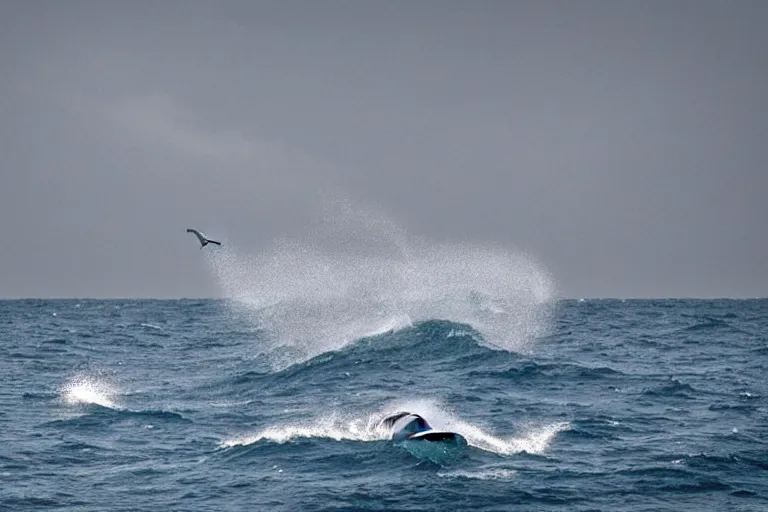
(624,145)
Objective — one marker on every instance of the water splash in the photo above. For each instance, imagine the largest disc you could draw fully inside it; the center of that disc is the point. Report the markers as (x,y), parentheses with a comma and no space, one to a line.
(366,427)
(535,439)
(336,426)
(361,275)
(88,390)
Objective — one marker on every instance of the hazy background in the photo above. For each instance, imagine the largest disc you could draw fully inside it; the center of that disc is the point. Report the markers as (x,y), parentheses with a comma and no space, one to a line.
(622,144)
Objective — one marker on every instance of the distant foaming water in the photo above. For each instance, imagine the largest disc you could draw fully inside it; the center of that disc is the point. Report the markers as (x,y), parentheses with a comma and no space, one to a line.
(88,390)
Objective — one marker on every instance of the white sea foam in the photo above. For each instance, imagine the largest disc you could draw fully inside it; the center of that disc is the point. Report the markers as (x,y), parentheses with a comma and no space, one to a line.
(337,427)
(533,439)
(366,427)
(361,275)
(491,473)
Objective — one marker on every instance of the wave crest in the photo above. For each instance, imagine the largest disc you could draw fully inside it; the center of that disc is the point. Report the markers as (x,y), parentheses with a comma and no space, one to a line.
(366,428)
(336,427)
(88,390)
(314,299)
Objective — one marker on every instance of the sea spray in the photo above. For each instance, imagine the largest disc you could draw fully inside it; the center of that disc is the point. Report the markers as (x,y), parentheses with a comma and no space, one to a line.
(83,390)
(365,426)
(334,425)
(365,276)
(534,438)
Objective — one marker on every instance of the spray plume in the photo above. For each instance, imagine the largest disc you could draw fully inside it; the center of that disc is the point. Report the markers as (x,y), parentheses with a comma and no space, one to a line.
(359,274)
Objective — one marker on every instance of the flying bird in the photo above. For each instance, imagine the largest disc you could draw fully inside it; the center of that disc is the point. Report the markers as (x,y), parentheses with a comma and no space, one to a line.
(204,240)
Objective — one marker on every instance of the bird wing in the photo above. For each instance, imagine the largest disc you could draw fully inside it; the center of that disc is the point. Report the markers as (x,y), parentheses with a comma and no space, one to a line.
(199,234)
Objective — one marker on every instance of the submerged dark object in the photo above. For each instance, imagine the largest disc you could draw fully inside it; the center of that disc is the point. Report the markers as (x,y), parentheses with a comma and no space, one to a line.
(407,426)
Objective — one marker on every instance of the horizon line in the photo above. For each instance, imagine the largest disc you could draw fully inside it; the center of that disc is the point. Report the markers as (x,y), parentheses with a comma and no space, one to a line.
(138,298)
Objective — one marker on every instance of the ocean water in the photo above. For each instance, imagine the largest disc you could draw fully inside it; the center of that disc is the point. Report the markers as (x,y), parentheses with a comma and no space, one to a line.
(239,404)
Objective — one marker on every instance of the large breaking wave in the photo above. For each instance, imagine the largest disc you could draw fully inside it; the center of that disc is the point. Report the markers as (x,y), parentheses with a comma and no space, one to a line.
(360,275)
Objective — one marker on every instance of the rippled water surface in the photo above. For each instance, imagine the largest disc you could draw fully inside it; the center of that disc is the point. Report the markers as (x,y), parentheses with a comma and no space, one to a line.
(198,405)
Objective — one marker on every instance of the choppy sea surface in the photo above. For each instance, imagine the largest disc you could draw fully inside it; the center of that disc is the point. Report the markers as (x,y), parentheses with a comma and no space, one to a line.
(226,405)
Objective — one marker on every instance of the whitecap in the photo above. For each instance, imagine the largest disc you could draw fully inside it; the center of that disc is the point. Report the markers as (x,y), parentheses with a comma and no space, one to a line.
(88,390)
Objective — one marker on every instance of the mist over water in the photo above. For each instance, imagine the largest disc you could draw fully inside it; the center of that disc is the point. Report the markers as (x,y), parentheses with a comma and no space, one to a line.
(360,275)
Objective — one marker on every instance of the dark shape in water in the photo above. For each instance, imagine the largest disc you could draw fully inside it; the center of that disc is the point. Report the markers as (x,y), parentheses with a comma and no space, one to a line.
(417,436)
